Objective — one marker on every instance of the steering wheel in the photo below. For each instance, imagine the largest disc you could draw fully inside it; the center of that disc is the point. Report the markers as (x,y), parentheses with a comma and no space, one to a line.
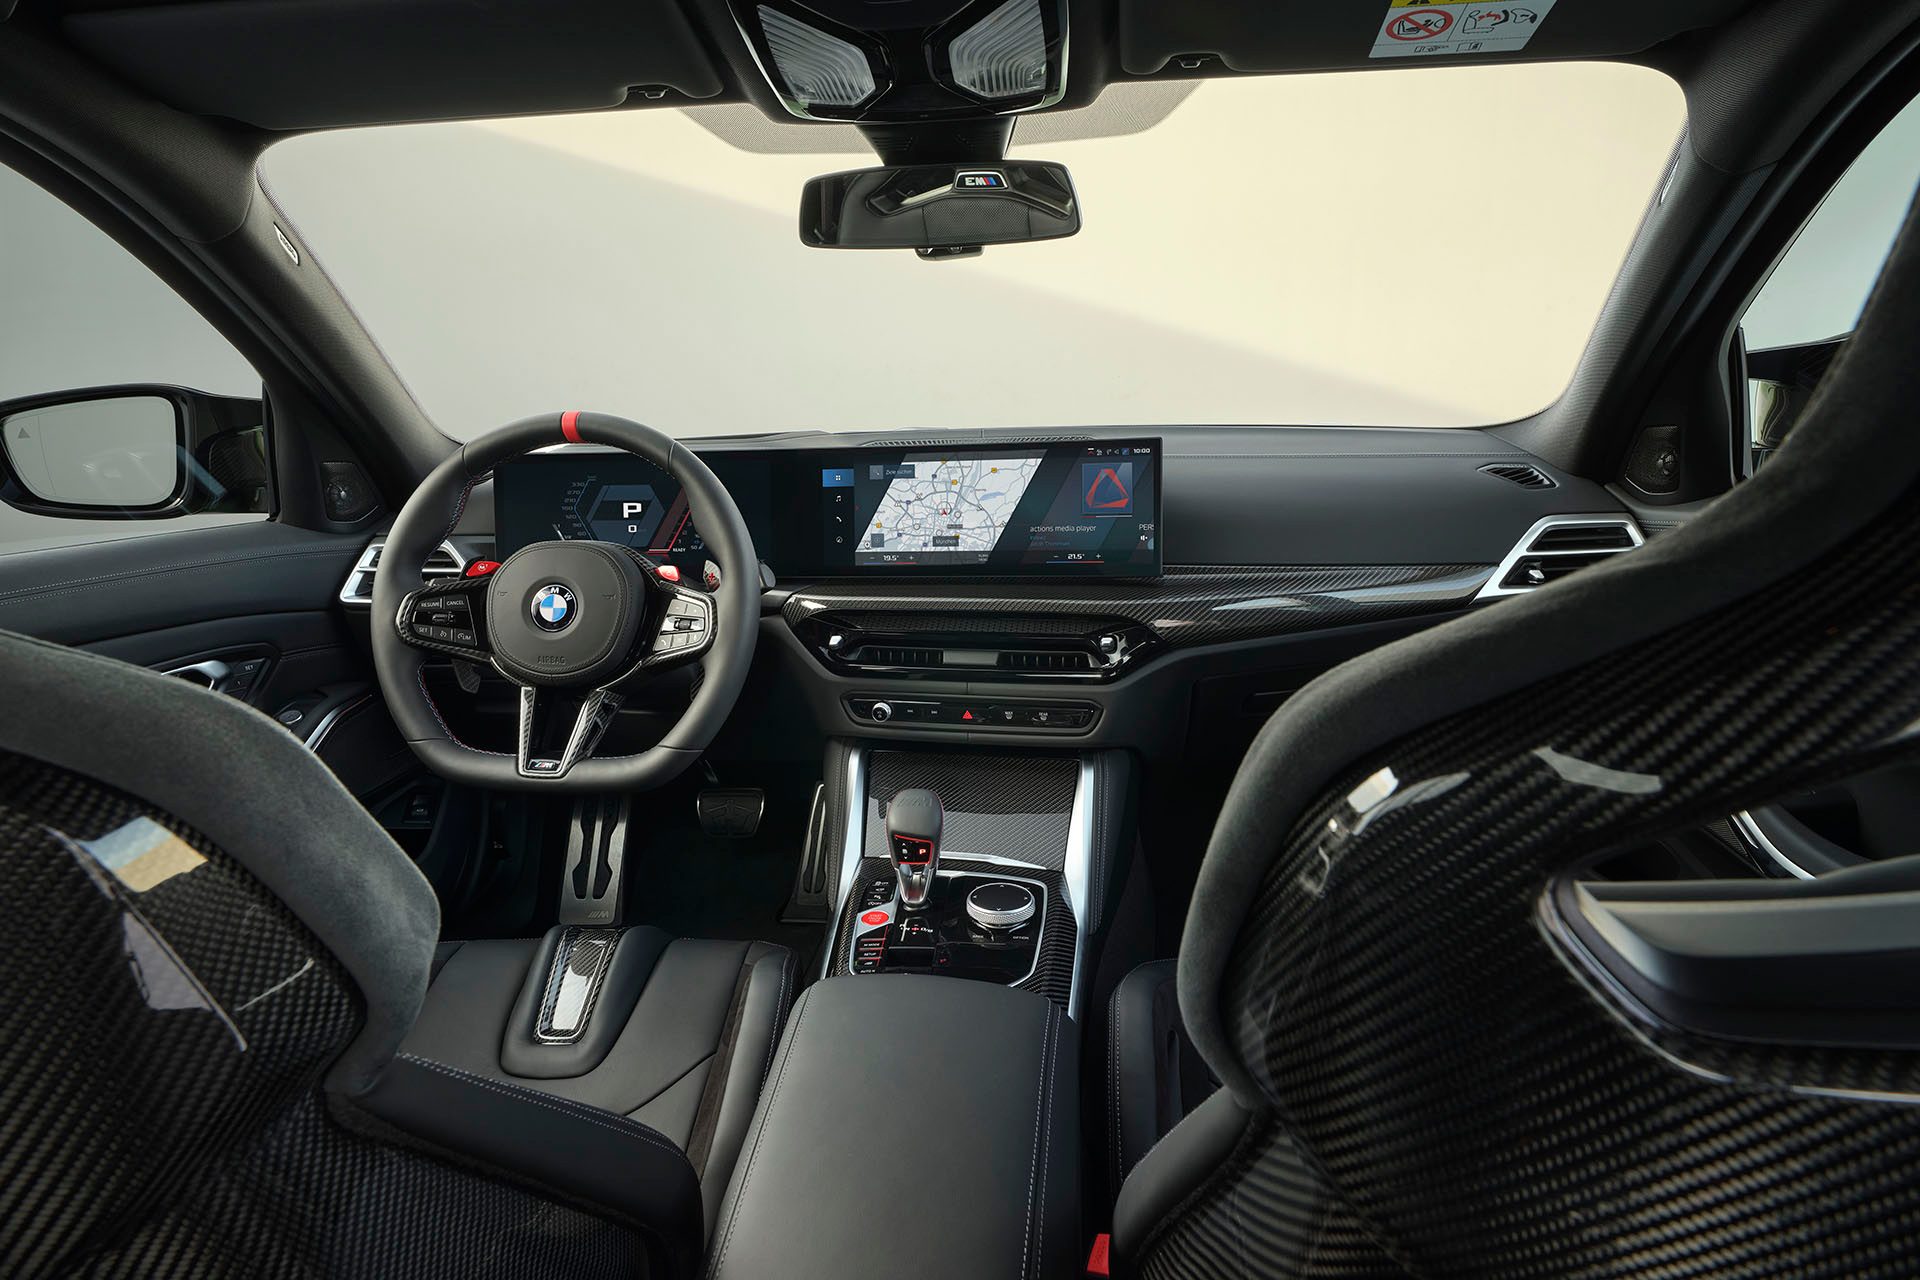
(575,624)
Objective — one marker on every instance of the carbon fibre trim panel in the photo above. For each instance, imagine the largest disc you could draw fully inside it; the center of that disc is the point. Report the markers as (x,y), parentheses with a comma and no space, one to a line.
(1036,839)
(166,1028)
(997,805)
(1281,1220)
(1477,1100)
(1192,605)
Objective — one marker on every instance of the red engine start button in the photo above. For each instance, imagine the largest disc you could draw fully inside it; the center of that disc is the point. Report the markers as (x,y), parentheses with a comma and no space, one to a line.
(875,917)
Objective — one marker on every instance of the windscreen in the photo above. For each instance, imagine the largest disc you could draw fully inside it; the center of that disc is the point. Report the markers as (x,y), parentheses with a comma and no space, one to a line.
(1423,247)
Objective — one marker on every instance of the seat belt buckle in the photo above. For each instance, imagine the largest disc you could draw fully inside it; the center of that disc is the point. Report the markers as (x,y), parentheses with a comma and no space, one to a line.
(1097,1257)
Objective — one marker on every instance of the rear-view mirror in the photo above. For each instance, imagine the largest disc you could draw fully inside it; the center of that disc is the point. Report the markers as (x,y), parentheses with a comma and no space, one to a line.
(133,452)
(942,210)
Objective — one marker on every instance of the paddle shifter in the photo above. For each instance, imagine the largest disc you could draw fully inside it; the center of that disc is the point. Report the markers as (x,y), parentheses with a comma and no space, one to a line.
(913,839)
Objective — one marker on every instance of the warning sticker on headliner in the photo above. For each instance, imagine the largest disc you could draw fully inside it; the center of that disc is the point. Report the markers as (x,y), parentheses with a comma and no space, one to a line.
(1416,29)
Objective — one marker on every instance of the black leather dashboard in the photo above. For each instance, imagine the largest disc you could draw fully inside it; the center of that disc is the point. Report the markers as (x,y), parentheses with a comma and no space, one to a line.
(1287,551)
(1291,496)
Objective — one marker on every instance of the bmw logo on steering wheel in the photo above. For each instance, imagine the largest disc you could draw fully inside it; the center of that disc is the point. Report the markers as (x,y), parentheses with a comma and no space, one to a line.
(553,607)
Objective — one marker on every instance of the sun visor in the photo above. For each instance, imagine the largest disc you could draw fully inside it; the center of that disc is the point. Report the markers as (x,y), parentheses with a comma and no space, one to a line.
(1311,35)
(307,64)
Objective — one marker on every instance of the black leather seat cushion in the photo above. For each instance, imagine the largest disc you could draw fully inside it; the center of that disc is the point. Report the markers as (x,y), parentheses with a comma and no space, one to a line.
(679,1040)
(1155,1078)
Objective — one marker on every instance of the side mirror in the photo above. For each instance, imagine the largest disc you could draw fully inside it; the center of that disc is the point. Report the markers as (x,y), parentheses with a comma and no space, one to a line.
(1780,384)
(942,210)
(133,453)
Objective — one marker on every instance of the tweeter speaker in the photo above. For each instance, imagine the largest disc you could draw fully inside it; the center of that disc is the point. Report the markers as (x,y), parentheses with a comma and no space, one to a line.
(1653,465)
(346,493)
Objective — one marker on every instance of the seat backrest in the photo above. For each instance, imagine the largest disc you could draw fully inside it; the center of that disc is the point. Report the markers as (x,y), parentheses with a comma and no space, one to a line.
(205,945)
(1375,967)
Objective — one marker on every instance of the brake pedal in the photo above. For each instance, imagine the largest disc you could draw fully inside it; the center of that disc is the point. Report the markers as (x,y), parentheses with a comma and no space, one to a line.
(731,813)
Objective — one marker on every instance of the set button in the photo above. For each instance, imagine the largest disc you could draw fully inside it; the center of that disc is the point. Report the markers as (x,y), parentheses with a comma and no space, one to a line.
(444,619)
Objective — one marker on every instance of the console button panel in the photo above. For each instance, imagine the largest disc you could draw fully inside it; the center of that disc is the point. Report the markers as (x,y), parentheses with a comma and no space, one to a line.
(974,714)
(945,938)
(873,926)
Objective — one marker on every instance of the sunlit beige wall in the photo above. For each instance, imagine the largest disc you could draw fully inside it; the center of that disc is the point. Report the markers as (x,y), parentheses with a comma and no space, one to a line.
(1422,246)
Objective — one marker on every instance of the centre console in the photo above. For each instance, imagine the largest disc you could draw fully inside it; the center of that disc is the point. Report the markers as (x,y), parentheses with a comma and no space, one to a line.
(981,925)
(993,866)
(911,1126)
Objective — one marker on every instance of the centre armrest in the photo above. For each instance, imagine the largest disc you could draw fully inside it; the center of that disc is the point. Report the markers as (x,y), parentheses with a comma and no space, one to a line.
(911,1125)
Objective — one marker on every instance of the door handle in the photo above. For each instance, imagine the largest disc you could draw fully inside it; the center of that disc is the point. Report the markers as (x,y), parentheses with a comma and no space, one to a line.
(209,674)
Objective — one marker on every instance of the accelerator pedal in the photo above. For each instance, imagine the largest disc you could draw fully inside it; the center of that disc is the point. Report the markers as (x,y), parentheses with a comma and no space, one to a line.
(731,813)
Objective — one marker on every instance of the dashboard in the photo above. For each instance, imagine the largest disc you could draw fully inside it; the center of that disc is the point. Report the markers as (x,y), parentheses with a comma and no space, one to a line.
(1241,562)
(1061,510)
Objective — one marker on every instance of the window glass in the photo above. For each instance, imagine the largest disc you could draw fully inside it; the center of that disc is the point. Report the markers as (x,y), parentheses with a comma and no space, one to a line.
(77,310)
(1811,302)
(1819,287)
(1429,247)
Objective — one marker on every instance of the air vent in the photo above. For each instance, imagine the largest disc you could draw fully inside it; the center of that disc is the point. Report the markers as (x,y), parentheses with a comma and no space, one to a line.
(1518,473)
(880,655)
(1537,571)
(1558,546)
(1045,660)
(1583,537)
(442,562)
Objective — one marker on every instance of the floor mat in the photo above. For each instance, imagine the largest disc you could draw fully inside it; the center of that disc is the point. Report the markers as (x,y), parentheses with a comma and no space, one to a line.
(694,886)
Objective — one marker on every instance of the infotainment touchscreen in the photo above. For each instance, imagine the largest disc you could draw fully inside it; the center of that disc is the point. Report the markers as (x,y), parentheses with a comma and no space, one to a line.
(1085,508)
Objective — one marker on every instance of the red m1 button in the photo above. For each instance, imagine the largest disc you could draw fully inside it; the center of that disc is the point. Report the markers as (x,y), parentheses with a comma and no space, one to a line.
(670,572)
(875,917)
(481,568)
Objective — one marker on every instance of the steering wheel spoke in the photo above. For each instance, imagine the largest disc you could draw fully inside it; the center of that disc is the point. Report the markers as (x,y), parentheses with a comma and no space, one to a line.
(685,630)
(560,727)
(447,615)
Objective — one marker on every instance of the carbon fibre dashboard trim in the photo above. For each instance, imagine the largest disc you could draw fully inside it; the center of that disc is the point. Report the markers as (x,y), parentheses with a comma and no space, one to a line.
(1191,605)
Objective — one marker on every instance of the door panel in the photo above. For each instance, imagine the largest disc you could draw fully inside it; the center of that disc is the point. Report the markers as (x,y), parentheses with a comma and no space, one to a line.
(82,595)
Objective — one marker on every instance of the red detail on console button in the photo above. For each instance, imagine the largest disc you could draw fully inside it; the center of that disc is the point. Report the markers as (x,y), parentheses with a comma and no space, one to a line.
(1097,1258)
(570,426)
(966,715)
(671,572)
(875,917)
(481,568)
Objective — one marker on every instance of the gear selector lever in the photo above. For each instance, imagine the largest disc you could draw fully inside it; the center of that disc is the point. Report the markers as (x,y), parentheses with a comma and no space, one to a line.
(913,841)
